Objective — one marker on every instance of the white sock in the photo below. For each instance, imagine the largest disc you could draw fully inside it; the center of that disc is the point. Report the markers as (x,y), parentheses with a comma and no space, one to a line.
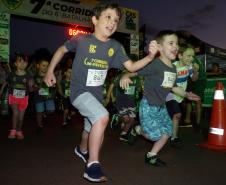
(89,164)
(138,129)
(150,154)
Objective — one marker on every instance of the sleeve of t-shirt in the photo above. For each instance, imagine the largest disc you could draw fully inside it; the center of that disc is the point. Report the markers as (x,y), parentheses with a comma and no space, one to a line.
(148,69)
(120,57)
(72,43)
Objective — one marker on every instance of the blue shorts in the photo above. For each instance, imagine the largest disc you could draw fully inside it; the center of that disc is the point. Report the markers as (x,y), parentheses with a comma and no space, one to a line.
(155,120)
(90,108)
(47,105)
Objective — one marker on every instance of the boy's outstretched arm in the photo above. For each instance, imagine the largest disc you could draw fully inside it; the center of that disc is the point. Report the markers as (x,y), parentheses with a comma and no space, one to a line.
(50,78)
(188,95)
(125,80)
(135,66)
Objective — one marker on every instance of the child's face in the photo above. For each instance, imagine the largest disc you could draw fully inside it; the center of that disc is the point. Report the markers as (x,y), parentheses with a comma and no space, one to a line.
(107,23)
(43,66)
(169,47)
(20,63)
(187,56)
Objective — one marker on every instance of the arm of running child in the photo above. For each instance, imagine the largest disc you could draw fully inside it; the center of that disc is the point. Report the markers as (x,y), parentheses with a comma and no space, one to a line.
(125,80)
(50,78)
(189,95)
(135,66)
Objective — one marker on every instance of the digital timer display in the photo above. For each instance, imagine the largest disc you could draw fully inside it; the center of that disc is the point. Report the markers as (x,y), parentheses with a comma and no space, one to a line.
(76,31)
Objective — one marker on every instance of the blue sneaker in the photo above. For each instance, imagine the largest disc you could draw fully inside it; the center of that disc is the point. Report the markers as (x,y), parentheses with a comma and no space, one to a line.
(83,156)
(94,173)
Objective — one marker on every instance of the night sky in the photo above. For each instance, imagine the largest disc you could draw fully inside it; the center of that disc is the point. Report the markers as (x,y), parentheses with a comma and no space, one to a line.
(204,19)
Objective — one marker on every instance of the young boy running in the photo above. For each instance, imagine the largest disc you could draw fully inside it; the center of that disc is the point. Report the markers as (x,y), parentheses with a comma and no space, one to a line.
(95,54)
(160,76)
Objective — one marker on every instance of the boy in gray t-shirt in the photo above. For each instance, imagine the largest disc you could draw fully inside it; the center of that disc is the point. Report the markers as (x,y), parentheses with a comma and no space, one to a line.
(95,54)
(160,76)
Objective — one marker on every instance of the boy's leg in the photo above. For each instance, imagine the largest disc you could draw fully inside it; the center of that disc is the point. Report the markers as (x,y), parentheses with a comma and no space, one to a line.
(39,107)
(84,141)
(156,126)
(158,145)
(96,137)
(15,116)
(97,115)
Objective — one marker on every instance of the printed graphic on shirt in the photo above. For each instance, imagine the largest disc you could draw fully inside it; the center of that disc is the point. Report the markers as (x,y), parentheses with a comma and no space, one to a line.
(43,91)
(92,48)
(130,90)
(67,92)
(96,63)
(111,52)
(96,77)
(169,79)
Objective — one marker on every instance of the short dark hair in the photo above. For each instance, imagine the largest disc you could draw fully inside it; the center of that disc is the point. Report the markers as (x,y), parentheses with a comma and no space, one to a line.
(160,36)
(183,47)
(20,55)
(103,6)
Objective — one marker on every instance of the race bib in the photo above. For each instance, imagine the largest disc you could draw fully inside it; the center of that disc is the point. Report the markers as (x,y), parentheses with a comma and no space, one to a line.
(130,90)
(168,79)
(96,77)
(19,93)
(43,91)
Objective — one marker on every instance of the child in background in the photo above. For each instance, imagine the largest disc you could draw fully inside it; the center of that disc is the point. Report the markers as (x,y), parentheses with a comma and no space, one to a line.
(43,95)
(125,102)
(198,87)
(185,70)
(160,76)
(95,54)
(19,84)
(63,88)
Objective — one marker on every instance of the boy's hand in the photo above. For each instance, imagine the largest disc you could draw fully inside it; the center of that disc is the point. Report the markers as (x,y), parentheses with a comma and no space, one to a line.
(50,79)
(125,81)
(153,48)
(192,96)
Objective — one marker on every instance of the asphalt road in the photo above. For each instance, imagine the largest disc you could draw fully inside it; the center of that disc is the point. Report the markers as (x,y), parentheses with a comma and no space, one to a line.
(48,159)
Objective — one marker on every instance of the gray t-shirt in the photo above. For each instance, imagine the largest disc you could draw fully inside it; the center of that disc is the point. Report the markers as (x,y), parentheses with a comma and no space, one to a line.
(92,60)
(159,80)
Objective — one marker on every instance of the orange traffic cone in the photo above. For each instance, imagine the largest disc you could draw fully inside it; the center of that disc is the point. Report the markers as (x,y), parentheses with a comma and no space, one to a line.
(217,133)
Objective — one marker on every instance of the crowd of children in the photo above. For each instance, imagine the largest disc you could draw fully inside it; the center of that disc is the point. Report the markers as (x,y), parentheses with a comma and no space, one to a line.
(80,85)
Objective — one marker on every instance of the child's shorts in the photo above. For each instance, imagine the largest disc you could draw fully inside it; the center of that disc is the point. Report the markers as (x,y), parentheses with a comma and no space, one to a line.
(47,105)
(22,102)
(173,107)
(154,120)
(90,108)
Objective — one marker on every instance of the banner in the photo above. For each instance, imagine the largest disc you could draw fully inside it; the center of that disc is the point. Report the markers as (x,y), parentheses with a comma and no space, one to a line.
(72,12)
(4,36)
(210,90)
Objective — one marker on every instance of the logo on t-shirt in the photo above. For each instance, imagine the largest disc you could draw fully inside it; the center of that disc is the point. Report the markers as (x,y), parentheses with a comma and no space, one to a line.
(110,52)
(92,48)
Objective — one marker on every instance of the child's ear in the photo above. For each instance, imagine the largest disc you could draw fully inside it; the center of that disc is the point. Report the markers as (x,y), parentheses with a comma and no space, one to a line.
(94,20)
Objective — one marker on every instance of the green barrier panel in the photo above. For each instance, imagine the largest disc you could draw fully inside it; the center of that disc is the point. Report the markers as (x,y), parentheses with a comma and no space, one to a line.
(210,89)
